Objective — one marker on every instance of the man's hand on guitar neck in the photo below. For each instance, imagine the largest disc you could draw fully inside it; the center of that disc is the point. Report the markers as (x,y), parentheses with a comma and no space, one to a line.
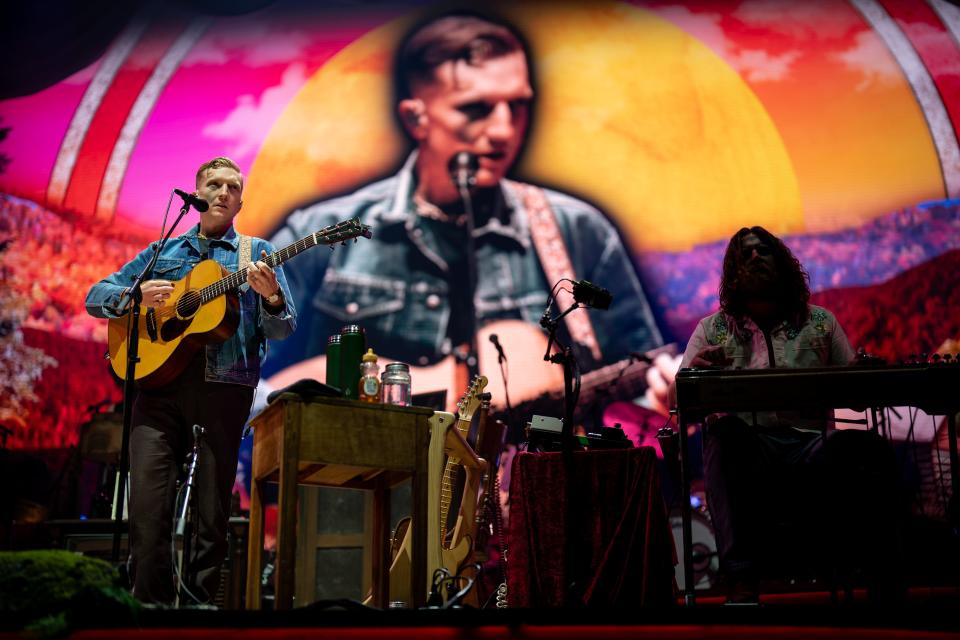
(263,280)
(156,292)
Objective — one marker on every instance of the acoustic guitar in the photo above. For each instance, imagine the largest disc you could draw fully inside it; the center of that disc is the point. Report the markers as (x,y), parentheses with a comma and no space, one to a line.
(204,308)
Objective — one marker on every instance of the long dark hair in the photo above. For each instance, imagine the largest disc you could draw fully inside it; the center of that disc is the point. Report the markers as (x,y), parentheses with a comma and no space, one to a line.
(793,294)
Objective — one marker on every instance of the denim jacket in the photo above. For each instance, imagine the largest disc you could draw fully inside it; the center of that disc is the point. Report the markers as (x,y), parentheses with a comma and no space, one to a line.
(395,286)
(238,358)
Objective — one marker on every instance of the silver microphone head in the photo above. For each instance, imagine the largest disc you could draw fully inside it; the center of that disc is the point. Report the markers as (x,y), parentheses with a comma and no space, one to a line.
(463,169)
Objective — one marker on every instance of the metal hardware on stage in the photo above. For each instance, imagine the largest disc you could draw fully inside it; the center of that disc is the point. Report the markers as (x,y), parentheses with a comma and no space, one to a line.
(184,572)
(932,387)
(706,563)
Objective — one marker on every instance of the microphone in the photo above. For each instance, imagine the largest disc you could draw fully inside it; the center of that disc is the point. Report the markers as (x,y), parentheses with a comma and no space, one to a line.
(501,356)
(463,169)
(591,295)
(189,199)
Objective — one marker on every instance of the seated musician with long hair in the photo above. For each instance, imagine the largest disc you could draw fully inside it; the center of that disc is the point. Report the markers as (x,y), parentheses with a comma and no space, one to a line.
(786,486)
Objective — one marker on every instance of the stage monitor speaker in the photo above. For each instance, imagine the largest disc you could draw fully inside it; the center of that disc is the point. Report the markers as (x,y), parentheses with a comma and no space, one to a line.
(94,538)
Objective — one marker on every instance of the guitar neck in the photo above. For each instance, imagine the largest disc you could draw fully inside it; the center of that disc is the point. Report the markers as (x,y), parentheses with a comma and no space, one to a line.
(329,235)
(628,377)
(446,486)
(624,379)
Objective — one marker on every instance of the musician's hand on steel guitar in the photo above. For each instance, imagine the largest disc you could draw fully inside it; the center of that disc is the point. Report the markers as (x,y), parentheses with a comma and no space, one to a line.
(711,356)
(156,292)
(262,278)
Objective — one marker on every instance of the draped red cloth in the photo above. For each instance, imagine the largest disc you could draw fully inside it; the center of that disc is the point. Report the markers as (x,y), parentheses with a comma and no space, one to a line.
(623,553)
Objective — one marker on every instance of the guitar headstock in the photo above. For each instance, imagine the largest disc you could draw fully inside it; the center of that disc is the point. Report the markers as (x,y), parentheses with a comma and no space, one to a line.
(343,231)
(471,399)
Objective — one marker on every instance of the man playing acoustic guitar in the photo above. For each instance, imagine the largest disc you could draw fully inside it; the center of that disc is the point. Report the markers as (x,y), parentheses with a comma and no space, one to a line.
(463,85)
(212,387)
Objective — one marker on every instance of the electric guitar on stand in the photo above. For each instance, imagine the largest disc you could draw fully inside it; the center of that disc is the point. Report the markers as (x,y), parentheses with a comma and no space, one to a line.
(447,439)
(457,548)
(203,308)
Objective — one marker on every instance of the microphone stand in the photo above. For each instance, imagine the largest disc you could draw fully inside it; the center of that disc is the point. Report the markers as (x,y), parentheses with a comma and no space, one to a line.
(571,392)
(135,297)
(513,431)
(185,551)
(464,179)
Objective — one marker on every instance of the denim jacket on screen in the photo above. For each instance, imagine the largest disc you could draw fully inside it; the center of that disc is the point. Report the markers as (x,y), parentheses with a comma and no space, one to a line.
(394,285)
(238,358)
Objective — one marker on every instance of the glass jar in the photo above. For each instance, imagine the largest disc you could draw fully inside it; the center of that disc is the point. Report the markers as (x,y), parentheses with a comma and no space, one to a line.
(396,384)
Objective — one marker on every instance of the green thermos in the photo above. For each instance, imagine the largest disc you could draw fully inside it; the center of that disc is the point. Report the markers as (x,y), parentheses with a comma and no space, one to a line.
(353,344)
(333,361)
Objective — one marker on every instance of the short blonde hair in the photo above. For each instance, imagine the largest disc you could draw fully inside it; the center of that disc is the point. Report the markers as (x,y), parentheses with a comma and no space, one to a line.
(218,163)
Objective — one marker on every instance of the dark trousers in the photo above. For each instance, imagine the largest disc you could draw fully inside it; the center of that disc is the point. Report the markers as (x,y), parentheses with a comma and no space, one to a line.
(788,498)
(160,439)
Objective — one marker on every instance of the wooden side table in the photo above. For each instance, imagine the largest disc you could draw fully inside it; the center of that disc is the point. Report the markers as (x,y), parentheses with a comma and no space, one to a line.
(338,443)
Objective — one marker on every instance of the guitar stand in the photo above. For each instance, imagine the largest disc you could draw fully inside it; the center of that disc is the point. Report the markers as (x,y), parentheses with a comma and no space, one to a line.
(181,526)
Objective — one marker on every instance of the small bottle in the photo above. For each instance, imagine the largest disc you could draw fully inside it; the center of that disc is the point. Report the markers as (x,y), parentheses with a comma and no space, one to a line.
(333,361)
(396,384)
(368,389)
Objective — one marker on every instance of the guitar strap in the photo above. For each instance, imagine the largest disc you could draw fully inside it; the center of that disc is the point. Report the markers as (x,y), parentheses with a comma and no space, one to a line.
(246,248)
(555,260)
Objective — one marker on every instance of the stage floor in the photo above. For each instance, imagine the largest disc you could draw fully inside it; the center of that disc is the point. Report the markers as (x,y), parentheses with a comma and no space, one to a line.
(927,614)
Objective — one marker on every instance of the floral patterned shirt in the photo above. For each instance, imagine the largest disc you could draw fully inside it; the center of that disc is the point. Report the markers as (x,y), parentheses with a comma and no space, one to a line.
(818,342)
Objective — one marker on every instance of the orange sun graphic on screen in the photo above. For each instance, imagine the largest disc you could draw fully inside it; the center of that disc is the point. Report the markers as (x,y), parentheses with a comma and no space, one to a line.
(632,114)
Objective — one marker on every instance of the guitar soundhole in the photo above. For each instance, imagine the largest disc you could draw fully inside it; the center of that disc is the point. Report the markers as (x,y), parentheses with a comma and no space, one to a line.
(172,329)
(188,304)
